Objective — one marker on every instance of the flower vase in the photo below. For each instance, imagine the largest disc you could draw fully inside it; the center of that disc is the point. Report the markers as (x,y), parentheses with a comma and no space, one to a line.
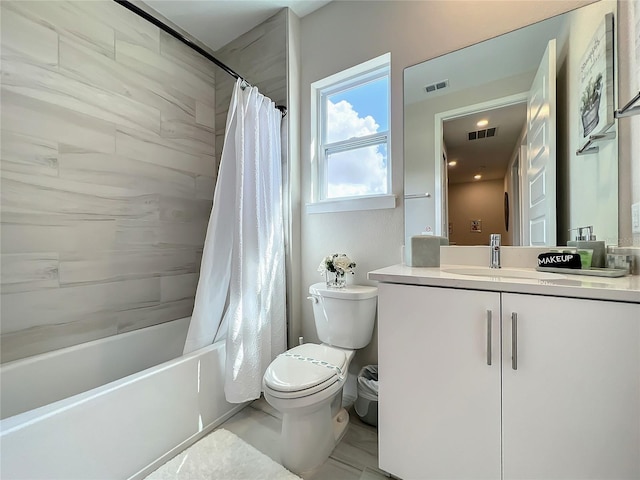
(336,279)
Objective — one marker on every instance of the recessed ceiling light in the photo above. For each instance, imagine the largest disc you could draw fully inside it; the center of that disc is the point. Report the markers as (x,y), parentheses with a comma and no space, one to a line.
(483,123)
(452,163)
(477,177)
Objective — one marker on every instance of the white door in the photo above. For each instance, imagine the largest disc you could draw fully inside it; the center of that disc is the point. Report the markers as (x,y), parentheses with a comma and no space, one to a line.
(540,171)
(571,409)
(439,410)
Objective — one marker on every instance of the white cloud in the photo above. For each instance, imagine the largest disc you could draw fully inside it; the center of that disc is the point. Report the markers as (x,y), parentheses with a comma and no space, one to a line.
(343,122)
(355,172)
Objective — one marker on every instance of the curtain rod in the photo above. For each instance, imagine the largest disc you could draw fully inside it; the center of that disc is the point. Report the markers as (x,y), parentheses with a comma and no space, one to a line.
(175,34)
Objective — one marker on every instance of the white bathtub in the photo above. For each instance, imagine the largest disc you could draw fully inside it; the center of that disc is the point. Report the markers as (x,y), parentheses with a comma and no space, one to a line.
(101,411)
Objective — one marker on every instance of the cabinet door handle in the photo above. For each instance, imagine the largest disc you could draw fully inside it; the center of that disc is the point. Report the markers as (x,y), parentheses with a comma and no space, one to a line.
(514,340)
(489,355)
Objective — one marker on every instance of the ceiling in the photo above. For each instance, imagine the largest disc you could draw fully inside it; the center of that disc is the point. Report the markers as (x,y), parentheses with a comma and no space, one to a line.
(217,22)
(490,60)
(486,156)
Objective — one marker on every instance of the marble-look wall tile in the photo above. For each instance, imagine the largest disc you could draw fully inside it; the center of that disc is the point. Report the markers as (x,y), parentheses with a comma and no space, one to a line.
(196,138)
(260,56)
(173,49)
(24,233)
(26,40)
(45,338)
(26,154)
(178,287)
(85,65)
(30,194)
(141,233)
(68,19)
(205,187)
(147,316)
(174,209)
(29,271)
(205,115)
(52,87)
(119,171)
(115,266)
(37,118)
(69,305)
(132,28)
(166,152)
(107,161)
(194,83)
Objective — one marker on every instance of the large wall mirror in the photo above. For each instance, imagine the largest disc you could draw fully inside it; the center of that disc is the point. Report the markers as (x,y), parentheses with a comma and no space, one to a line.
(492,133)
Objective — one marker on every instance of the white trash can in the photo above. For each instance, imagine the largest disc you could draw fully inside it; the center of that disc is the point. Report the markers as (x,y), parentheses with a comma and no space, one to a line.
(366,405)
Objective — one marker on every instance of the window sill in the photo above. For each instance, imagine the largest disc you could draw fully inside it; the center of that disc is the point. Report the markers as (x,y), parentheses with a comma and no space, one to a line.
(352,204)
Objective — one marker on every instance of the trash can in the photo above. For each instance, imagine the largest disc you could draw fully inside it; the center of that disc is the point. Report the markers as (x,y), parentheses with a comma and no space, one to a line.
(366,405)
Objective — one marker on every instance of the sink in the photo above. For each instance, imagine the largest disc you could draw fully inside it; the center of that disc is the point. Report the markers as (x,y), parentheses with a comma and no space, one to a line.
(502,272)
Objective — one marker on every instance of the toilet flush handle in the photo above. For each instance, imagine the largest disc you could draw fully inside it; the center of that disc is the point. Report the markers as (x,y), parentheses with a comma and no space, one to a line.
(313,299)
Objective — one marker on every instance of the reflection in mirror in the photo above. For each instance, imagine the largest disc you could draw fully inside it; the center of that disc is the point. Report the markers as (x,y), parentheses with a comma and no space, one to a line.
(469,109)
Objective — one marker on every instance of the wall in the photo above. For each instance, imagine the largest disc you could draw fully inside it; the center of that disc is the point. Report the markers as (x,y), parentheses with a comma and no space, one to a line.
(260,57)
(588,183)
(419,130)
(629,128)
(343,34)
(107,173)
(476,201)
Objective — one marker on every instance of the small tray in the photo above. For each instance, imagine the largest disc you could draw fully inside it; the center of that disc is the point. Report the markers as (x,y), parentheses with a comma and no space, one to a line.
(593,271)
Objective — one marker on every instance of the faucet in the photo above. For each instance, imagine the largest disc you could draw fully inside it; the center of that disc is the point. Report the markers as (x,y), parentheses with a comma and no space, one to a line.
(494,243)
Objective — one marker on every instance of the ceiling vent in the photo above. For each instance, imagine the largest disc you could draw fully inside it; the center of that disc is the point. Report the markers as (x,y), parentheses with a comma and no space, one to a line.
(437,86)
(485,133)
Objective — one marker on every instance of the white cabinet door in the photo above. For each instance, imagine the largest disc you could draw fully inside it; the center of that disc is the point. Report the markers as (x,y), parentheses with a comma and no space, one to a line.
(571,410)
(439,410)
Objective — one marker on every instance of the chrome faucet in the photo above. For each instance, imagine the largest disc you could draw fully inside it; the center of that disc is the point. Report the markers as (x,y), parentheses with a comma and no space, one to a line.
(494,244)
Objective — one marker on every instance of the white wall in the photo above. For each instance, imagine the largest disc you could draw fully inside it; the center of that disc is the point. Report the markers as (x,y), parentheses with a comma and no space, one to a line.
(588,178)
(629,128)
(346,33)
(419,130)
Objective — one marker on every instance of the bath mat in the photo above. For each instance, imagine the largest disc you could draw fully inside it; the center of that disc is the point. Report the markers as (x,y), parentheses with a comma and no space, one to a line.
(221,456)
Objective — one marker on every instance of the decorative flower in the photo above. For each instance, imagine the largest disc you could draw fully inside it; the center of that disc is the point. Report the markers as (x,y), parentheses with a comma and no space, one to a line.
(337,263)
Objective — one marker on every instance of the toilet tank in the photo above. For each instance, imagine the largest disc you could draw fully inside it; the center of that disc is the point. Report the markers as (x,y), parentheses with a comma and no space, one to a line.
(344,316)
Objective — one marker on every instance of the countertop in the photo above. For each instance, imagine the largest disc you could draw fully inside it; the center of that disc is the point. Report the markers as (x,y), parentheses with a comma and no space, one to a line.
(623,289)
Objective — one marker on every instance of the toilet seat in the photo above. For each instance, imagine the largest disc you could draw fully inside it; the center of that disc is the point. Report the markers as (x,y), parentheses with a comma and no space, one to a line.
(305,370)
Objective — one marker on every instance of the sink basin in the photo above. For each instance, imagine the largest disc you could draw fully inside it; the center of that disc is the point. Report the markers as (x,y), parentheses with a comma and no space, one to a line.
(502,272)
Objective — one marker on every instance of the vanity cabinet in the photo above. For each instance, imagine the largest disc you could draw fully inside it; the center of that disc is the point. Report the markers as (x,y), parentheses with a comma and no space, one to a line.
(456,402)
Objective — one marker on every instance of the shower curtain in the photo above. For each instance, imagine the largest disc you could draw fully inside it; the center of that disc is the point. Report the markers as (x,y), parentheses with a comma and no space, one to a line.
(241,289)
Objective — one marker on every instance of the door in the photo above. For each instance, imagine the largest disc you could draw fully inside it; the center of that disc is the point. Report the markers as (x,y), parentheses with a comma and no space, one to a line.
(540,171)
(571,409)
(439,410)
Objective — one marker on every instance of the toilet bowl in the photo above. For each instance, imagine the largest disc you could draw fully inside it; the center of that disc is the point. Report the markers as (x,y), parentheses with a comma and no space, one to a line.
(305,383)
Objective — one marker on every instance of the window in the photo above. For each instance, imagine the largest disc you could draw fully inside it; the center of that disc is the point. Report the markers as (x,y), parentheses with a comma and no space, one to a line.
(351,131)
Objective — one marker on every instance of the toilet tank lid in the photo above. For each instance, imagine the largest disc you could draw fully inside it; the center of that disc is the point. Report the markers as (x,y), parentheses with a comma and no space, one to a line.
(350,292)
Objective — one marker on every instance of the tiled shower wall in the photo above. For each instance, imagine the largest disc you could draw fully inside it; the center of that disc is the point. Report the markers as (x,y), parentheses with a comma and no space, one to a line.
(259,56)
(107,171)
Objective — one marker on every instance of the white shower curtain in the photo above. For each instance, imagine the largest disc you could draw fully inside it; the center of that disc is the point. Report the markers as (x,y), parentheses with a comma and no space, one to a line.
(243,258)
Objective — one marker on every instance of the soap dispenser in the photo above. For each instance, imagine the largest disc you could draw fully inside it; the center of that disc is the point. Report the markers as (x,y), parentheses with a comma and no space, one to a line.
(587,240)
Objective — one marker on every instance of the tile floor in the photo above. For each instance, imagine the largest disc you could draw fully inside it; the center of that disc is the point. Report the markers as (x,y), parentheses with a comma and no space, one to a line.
(355,457)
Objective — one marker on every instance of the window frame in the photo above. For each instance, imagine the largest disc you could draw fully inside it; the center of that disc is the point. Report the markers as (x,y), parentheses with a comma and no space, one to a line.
(367,72)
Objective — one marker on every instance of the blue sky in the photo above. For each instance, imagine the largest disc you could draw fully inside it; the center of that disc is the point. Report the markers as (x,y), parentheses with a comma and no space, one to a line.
(370,99)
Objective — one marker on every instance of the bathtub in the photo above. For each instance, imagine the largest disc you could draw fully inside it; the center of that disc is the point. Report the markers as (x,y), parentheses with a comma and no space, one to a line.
(114,408)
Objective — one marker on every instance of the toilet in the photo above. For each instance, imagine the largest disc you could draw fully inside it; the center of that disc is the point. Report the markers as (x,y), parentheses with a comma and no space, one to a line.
(305,382)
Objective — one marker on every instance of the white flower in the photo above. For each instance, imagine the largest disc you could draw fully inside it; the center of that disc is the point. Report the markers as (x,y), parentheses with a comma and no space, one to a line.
(337,262)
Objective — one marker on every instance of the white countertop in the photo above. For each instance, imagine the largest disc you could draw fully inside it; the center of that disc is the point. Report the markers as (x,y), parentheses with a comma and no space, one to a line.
(623,289)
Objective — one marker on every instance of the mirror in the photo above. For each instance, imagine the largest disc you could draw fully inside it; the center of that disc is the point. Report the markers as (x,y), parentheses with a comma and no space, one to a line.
(473,163)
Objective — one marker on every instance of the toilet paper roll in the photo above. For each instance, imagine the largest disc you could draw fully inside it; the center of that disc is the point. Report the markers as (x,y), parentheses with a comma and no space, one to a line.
(425,250)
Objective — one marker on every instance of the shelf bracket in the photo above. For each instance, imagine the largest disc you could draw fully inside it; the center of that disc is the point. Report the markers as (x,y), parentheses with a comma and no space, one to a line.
(589,147)
(629,109)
